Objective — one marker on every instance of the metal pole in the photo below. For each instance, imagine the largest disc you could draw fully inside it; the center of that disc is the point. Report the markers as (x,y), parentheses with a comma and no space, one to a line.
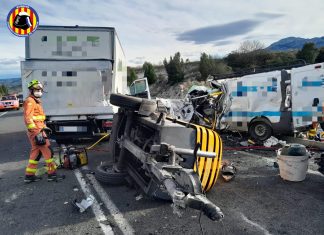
(191,152)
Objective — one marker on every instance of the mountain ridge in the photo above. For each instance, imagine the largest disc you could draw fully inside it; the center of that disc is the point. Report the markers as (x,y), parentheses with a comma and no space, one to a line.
(295,43)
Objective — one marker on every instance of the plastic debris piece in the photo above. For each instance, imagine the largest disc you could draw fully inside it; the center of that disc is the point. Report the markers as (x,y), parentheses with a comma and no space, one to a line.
(84,204)
(251,142)
(228,172)
(75,189)
(66,203)
(244,143)
(272,141)
(139,197)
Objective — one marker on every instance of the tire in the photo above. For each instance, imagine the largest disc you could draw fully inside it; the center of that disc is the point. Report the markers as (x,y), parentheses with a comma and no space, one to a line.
(124,101)
(105,174)
(260,129)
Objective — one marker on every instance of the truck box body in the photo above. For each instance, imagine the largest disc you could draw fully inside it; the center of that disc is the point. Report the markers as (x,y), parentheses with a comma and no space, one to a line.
(288,99)
(71,87)
(80,67)
(307,87)
(257,95)
(70,43)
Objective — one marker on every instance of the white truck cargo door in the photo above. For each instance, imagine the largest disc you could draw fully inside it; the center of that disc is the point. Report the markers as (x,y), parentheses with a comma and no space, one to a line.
(71,87)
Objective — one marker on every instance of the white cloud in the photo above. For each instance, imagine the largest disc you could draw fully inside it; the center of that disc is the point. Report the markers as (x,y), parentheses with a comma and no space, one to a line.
(150,29)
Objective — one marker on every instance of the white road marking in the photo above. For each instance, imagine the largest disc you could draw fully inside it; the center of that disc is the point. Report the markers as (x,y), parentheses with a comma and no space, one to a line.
(100,216)
(266,232)
(3,114)
(121,222)
(272,160)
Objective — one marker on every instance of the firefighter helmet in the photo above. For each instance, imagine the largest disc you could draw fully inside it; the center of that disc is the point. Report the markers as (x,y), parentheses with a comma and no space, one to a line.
(35,84)
(22,21)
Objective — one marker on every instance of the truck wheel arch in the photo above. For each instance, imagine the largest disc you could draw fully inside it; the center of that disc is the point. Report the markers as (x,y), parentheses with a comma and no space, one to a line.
(260,128)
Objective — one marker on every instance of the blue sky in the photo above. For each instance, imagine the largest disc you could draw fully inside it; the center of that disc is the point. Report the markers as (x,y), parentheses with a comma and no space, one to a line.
(153,30)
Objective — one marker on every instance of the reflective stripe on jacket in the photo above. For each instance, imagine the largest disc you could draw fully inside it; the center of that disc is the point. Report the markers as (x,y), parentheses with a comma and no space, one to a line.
(34,115)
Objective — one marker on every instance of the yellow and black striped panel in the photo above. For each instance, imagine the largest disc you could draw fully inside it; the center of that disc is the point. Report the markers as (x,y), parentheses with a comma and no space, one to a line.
(208,168)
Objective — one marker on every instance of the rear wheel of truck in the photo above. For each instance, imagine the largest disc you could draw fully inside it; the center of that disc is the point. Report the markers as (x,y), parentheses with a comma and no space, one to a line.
(105,173)
(260,129)
(124,101)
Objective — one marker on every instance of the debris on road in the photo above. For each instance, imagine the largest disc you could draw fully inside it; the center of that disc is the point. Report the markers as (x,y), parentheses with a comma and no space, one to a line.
(75,189)
(273,141)
(228,171)
(139,197)
(84,204)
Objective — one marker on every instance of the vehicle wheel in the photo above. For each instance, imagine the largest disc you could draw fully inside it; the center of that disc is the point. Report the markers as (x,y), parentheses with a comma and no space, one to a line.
(106,174)
(260,129)
(124,101)
(18,108)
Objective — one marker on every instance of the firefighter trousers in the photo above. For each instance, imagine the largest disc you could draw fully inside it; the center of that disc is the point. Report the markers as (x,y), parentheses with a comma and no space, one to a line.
(35,154)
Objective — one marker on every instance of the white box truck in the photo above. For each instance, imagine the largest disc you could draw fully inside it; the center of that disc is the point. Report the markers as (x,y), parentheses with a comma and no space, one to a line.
(80,67)
(276,102)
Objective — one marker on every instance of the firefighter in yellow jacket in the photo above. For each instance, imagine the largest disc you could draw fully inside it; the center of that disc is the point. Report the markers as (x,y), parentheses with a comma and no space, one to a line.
(34,118)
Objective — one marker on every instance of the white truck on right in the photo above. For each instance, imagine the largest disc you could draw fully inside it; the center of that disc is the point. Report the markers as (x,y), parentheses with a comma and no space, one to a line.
(276,102)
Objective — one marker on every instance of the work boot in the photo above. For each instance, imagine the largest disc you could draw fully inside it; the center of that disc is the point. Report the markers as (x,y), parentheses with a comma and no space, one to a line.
(55,177)
(32,178)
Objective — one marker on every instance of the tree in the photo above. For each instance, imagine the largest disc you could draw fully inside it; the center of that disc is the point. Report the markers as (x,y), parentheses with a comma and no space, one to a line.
(210,66)
(250,46)
(320,56)
(149,72)
(308,53)
(251,54)
(3,90)
(174,68)
(132,76)
(281,58)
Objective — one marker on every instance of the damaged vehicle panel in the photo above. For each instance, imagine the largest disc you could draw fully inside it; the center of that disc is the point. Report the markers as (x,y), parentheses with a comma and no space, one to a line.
(307,91)
(263,104)
(277,102)
(258,105)
(165,158)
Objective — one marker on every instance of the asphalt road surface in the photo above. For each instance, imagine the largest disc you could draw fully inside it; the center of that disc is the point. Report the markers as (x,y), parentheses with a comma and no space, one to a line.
(257,201)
